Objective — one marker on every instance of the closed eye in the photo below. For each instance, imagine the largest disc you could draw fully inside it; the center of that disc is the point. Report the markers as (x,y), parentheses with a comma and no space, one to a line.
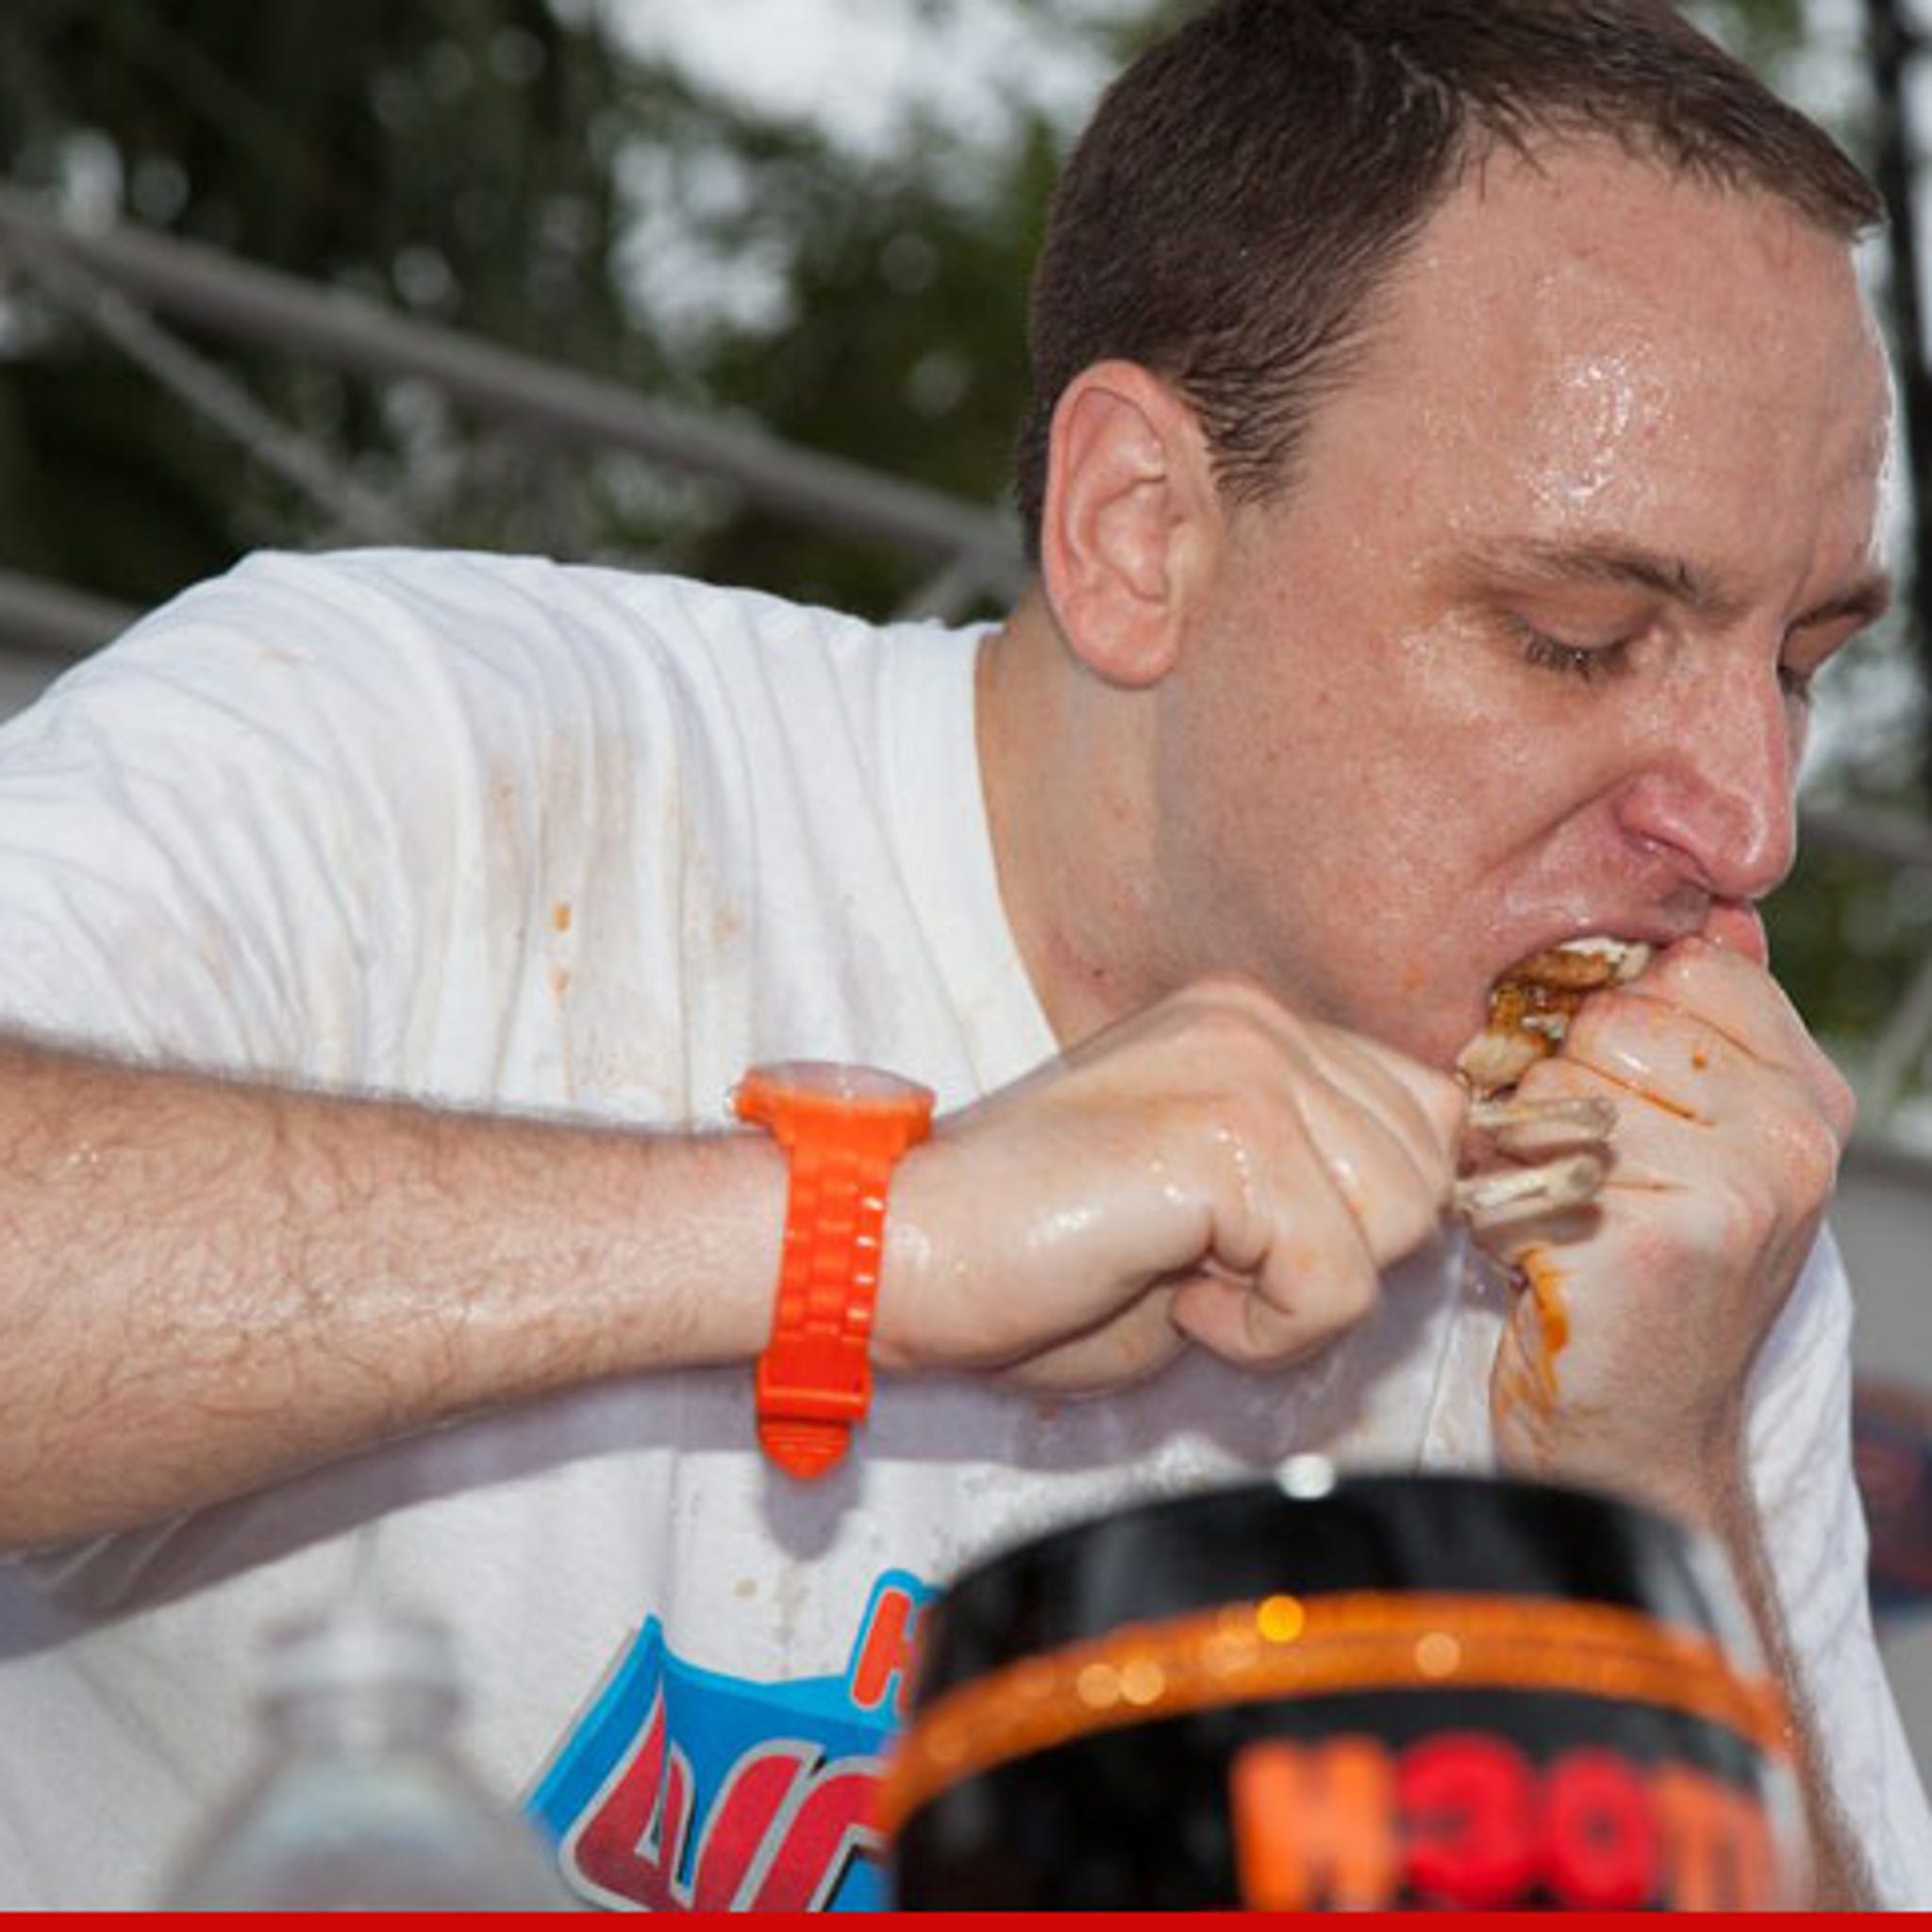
(1586,662)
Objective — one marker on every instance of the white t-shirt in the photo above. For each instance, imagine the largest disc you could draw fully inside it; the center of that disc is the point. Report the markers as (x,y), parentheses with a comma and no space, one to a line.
(494,831)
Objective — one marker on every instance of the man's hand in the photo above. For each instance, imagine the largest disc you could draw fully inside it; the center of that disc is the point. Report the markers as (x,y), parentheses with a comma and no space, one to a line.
(1625,1360)
(1214,1170)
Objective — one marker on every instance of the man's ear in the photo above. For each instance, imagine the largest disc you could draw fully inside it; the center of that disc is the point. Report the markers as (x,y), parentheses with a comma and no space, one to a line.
(1130,521)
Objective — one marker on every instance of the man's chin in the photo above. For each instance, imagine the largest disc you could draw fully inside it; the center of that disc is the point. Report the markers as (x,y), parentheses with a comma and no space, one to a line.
(1429,1027)
(1434,1042)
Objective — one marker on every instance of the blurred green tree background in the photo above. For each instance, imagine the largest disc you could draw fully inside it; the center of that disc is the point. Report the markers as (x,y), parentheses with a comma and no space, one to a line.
(513,169)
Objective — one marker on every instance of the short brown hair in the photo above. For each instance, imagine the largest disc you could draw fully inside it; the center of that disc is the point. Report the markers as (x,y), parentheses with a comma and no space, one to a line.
(1247,185)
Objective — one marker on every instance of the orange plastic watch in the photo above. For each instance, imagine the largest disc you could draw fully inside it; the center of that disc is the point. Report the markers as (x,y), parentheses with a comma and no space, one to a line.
(842,1128)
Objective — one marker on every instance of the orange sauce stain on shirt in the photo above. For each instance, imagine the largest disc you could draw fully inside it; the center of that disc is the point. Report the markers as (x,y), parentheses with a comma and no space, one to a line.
(559,915)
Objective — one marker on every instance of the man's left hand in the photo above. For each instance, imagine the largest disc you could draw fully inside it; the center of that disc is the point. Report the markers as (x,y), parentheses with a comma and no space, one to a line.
(1626,1355)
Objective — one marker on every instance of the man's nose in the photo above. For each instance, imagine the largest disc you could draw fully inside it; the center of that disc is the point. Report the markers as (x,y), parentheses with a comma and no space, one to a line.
(1717,790)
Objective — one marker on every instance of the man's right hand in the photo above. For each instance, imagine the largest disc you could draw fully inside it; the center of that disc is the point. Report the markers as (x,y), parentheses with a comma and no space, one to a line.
(1214,1170)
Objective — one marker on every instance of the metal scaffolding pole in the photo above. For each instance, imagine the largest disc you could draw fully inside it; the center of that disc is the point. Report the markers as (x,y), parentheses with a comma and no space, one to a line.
(200,286)
(216,398)
(43,619)
(1893,47)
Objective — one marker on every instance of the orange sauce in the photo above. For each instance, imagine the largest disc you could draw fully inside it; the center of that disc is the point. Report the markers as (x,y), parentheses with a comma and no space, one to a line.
(1546,1282)
(1542,1281)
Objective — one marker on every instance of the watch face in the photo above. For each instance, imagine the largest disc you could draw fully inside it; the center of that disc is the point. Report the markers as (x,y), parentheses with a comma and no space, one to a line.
(834,1080)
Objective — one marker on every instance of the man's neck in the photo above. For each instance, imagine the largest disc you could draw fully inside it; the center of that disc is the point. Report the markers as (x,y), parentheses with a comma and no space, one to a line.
(1062,767)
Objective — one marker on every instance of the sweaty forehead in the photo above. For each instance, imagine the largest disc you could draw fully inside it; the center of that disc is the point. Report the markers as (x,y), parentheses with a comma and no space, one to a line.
(1588,250)
(1589,234)
(1591,325)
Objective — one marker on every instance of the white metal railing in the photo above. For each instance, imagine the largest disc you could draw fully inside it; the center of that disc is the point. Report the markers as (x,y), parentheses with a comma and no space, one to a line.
(296,318)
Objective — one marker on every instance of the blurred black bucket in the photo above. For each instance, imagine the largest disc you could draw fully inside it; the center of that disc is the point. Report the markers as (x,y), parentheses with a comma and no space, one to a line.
(1367,1692)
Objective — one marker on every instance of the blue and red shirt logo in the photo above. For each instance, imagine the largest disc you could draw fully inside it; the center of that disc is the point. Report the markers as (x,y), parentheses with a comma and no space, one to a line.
(684,1789)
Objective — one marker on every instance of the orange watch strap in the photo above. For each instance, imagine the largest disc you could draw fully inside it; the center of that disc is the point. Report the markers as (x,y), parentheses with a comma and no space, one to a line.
(814,1378)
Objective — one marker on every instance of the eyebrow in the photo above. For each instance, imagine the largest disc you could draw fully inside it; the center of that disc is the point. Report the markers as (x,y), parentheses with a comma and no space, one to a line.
(1866,602)
(1675,577)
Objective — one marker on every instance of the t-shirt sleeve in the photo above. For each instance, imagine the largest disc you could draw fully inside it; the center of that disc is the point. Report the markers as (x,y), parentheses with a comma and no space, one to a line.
(1802,1468)
(205,832)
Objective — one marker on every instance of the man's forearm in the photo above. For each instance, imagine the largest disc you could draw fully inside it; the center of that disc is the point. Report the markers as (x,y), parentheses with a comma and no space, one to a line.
(210,1284)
